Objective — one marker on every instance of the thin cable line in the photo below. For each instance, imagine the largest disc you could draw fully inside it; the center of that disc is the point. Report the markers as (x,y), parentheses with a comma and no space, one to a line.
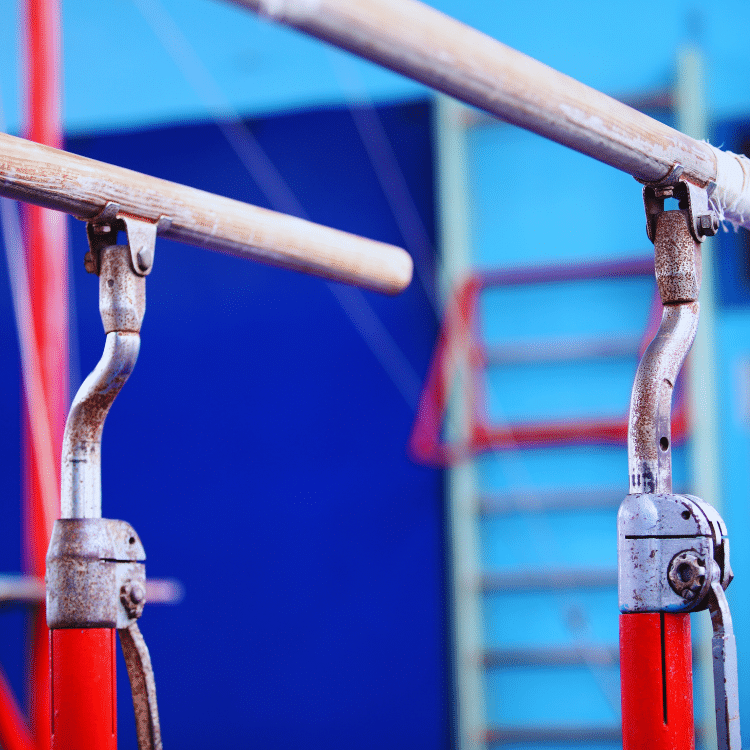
(277,192)
(31,367)
(40,424)
(388,172)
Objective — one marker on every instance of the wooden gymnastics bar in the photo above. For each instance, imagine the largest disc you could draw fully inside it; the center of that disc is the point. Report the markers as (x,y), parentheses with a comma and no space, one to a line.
(424,44)
(84,187)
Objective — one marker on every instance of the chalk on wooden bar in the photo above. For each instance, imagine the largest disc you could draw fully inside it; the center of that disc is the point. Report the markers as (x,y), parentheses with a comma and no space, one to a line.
(424,44)
(66,182)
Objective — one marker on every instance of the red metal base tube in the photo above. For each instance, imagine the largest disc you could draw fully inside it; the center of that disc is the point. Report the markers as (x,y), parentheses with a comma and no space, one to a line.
(656,674)
(84,706)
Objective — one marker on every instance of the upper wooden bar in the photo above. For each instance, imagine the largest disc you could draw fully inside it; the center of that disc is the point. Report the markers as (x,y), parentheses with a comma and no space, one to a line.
(66,182)
(428,46)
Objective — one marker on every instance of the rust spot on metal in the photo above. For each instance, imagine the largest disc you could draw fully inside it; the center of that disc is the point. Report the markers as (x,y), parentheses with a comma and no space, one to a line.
(678,274)
(677,258)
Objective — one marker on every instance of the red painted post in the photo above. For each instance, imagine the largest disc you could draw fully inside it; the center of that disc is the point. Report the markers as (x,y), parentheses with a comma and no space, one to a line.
(45,239)
(656,675)
(84,697)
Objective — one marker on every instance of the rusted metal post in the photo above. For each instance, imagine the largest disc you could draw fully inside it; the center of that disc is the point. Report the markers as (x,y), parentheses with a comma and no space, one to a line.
(95,577)
(655,663)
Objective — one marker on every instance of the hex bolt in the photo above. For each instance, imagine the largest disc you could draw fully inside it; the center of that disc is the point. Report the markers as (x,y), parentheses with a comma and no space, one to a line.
(137,594)
(708,224)
(133,597)
(687,574)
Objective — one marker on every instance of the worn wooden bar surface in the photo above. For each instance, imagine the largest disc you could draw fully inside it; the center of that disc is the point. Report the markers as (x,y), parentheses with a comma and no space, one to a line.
(428,46)
(66,182)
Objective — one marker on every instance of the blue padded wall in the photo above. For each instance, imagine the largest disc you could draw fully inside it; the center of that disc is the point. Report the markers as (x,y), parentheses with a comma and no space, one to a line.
(260,451)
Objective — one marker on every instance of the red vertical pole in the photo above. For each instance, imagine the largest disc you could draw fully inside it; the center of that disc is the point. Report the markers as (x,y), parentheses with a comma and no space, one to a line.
(75,710)
(84,706)
(656,675)
(45,239)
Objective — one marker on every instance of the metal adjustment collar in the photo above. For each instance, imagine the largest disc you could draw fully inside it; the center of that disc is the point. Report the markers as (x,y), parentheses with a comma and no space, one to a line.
(95,574)
(96,579)
(671,550)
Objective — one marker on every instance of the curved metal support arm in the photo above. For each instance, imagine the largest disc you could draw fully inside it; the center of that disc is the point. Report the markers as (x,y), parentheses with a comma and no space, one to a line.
(649,427)
(678,274)
(81,460)
(122,303)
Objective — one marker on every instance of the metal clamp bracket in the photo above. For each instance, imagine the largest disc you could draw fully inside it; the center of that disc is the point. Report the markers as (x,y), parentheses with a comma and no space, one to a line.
(95,574)
(673,556)
(96,579)
(671,549)
(703,220)
(141,232)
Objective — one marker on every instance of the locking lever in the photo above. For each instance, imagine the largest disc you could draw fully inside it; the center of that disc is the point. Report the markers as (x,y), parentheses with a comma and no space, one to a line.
(724,651)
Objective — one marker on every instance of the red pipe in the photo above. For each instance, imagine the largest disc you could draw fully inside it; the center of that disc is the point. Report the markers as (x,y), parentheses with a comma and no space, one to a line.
(656,675)
(84,692)
(45,239)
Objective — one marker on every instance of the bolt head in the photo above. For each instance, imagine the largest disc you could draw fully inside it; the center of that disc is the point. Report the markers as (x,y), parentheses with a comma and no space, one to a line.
(145,258)
(137,594)
(708,224)
(133,598)
(687,575)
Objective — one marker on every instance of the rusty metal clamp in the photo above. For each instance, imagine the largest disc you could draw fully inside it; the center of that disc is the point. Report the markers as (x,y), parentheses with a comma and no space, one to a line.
(95,571)
(95,574)
(673,551)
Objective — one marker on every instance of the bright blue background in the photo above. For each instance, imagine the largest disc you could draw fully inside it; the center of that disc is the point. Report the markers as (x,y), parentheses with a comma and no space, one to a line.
(260,451)
(267,423)
(118,72)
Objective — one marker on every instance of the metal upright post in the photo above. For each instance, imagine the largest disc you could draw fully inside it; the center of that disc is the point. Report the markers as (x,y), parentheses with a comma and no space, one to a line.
(655,647)
(95,571)
(673,551)
(471,720)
